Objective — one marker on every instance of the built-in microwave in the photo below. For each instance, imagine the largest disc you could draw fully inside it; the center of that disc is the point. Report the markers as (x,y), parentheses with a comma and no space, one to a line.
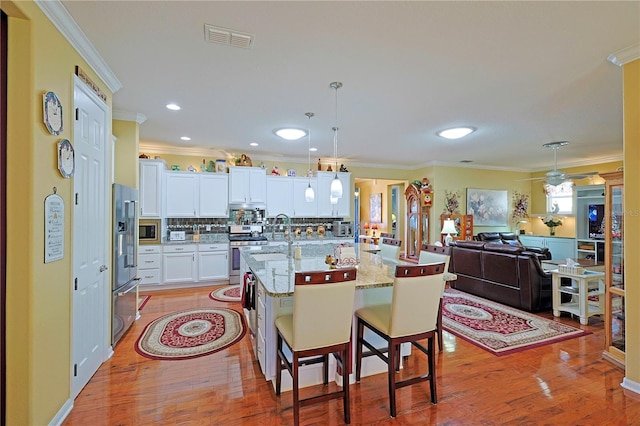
(149,231)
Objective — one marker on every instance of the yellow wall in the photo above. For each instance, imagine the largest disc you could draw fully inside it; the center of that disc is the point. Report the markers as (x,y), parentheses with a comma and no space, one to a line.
(38,294)
(125,159)
(631,77)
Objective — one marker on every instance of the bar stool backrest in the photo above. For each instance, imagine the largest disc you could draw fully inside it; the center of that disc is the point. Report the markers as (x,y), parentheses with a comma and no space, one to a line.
(323,308)
(417,290)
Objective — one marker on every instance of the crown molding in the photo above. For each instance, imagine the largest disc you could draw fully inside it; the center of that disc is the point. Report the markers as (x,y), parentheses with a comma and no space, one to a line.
(626,55)
(64,22)
(129,116)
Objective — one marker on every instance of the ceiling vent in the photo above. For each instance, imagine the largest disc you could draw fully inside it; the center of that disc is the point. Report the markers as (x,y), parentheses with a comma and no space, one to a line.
(220,35)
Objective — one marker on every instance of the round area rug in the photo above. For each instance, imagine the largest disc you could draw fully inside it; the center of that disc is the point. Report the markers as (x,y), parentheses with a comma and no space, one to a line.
(230,293)
(190,334)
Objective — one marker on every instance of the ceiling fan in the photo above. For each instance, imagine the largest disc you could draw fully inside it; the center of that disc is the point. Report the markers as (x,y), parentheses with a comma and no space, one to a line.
(555,176)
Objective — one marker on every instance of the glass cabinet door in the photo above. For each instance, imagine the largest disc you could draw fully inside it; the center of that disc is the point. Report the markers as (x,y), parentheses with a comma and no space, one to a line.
(413,250)
(614,269)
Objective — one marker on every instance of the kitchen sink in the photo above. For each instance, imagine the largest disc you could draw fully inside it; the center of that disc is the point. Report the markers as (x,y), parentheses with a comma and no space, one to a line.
(269,256)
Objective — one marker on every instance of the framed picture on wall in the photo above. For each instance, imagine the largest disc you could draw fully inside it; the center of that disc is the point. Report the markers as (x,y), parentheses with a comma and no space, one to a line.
(375,208)
(488,207)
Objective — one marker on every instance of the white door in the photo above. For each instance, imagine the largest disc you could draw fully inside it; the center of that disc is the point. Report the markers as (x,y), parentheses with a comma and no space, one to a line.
(91,233)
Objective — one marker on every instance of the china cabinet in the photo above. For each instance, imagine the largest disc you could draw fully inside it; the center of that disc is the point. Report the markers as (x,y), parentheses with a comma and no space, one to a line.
(614,269)
(463,224)
(417,221)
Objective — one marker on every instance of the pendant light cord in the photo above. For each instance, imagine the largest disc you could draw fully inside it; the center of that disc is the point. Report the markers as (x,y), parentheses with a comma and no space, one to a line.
(309,115)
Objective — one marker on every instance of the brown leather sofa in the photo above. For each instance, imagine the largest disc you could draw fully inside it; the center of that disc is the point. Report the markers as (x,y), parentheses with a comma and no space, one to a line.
(506,274)
(511,238)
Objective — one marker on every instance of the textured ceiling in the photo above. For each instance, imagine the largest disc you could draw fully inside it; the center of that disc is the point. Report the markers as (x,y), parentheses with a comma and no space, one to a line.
(522,73)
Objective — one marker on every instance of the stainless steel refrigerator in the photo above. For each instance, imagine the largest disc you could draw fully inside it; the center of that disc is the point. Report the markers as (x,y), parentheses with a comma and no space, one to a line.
(125,260)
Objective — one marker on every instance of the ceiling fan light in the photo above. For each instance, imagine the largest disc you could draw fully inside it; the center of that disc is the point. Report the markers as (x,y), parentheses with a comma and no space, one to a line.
(291,134)
(309,195)
(456,132)
(336,188)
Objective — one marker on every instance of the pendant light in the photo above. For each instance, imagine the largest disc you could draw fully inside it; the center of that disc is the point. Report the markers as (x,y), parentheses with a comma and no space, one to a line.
(336,185)
(309,195)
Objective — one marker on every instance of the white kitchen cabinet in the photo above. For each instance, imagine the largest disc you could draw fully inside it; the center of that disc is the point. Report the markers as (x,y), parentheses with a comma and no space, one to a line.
(150,186)
(179,263)
(279,196)
(343,207)
(560,248)
(150,264)
(247,185)
(213,195)
(213,262)
(181,192)
(302,208)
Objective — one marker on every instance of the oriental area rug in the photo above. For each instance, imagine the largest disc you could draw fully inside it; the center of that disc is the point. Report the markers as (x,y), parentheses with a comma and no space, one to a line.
(497,328)
(190,334)
(229,293)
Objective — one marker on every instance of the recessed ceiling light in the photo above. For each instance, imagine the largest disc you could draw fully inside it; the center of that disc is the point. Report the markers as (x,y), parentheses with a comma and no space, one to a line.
(173,107)
(456,132)
(291,134)
(254,144)
(185,138)
(313,149)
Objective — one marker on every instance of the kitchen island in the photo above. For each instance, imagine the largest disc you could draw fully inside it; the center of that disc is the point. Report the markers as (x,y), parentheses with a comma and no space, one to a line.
(274,273)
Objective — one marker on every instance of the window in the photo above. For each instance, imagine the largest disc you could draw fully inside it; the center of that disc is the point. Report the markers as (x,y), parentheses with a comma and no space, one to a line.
(559,198)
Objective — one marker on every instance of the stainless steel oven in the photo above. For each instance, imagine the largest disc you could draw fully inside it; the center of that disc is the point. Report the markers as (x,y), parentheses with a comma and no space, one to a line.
(242,236)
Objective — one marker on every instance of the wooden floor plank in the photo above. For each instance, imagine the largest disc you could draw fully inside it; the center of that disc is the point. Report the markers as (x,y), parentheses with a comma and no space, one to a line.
(564,383)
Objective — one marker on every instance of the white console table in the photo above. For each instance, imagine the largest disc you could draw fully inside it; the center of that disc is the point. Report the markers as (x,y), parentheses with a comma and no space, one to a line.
(590,283)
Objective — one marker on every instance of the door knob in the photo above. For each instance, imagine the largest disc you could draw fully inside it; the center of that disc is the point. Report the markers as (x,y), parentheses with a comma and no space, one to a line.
(103,268)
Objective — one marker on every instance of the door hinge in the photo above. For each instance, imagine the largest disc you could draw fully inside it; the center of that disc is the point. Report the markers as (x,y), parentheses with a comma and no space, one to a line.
(77,113)
(76,201)
(75,283)
(75,370)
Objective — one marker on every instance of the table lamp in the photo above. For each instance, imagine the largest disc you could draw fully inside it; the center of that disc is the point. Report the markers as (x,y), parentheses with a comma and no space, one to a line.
(366,228)
(448,228)
(374,227)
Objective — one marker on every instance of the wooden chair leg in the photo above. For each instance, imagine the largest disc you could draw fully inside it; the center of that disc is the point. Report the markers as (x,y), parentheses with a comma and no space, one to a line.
(296,390)
(278,363)
(391,367)
(439,326)
(359,349)
(432,370)
(345,384)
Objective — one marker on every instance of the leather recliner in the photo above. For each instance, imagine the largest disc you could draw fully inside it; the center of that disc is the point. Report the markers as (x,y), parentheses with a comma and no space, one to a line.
(511,238)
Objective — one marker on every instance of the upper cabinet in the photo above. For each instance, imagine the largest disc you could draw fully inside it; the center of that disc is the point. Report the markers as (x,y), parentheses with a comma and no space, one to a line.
(343,207)
(191,194)
(213,195)
(279,196)
(181,190)
(151,188)
(302,207)
(247,185)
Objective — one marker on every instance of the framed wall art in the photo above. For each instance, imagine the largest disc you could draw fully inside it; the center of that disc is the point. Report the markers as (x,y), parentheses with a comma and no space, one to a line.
(375,208)
(489,207)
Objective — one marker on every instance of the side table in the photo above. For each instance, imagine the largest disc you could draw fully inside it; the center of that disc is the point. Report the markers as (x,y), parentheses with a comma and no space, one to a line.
(590,283)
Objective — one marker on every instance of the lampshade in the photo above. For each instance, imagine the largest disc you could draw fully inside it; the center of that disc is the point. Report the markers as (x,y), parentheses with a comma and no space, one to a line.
(449,227)
(309,195)
(374,226)
(336,185)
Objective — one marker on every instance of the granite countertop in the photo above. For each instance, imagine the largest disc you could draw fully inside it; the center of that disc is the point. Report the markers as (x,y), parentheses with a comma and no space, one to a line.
(276,272)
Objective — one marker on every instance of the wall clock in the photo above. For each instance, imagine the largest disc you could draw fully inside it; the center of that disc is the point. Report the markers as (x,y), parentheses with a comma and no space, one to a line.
(52,112)
(66,158)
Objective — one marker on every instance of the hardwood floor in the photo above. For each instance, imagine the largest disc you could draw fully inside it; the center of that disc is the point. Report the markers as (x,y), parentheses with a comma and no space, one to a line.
(566,383)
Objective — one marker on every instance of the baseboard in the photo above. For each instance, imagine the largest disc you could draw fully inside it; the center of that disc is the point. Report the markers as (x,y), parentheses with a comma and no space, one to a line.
(62,413)
(630,385)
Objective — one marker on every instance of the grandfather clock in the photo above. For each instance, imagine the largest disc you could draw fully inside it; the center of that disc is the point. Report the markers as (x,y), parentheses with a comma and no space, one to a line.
(419,197)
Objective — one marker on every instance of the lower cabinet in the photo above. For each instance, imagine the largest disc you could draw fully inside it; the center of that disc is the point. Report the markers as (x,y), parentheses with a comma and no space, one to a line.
(150,264)
(179,263)
(213,262)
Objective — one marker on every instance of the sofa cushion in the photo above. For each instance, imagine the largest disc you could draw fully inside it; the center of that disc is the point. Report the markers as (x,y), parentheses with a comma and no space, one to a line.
(469,244)
(503,248)
(489,236)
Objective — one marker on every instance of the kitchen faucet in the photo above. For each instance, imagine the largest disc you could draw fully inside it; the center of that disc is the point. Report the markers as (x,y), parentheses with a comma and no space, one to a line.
(287,234)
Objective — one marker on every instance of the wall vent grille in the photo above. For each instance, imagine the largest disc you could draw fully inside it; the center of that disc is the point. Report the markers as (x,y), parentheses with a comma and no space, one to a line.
(228,37)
